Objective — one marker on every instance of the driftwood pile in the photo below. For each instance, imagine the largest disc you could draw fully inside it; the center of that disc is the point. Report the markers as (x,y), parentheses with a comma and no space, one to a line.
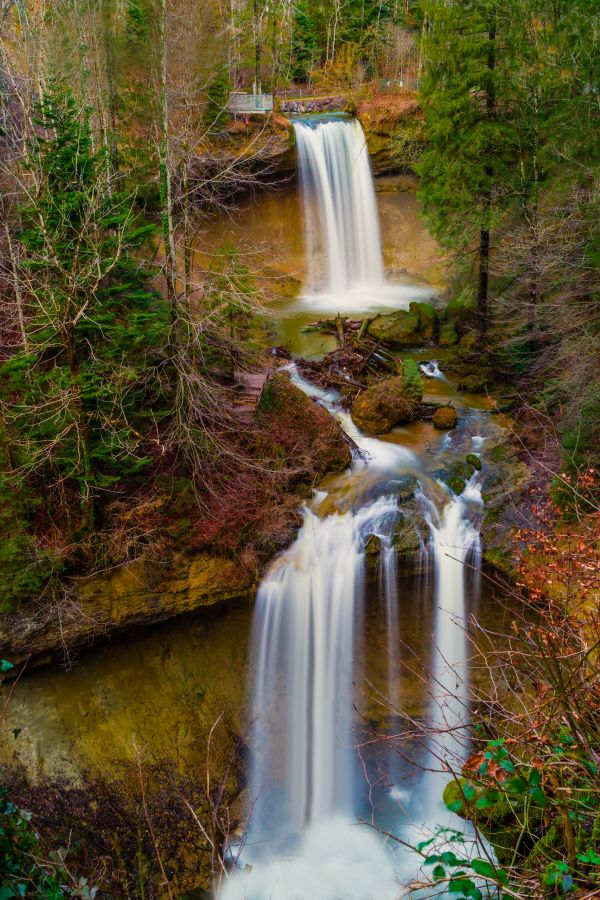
(358,361)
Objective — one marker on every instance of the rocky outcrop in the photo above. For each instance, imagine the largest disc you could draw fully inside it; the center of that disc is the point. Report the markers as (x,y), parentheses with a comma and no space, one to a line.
(406,328)
(388,403)
(313,105)
(137,594)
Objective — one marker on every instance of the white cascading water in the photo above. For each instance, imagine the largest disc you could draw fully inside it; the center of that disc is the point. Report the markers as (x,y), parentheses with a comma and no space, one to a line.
(303,842)
(339,203)
(456,548)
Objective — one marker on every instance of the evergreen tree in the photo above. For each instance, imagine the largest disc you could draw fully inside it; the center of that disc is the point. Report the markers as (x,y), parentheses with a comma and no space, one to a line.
(217,97)
(72,400)
(304,41)
(468,145)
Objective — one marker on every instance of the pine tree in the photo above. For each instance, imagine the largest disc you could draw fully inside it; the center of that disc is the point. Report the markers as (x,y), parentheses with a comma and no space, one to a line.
(72,402)
(215,115)
(468,145)
(304,42)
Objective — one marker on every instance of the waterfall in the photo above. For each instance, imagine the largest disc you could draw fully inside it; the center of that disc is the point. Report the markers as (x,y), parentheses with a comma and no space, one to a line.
(456,549)
(339,204)
(302,842)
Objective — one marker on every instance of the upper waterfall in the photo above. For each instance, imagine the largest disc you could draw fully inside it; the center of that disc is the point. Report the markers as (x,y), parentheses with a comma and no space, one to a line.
(339,203)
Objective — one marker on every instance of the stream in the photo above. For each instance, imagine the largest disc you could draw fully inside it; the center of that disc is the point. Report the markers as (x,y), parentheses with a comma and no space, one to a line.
(337,654)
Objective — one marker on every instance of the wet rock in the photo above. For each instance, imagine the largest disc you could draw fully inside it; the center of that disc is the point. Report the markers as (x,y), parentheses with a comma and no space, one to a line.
(474,460)
(456,476)
(476,383)
(448,335)
(406,538)
(373,550)
(428,319)
(387,403)
(405,488)
(399,329)
(445,418)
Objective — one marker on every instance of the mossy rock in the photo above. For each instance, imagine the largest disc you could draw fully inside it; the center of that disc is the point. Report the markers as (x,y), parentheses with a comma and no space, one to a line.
(406,538)
(456,476)
(473,384)
(497,822)
(499,558)
(547,848)
(467,343)
(388,403)
(428,319)
(372,550)
(399,329)
(462,310)
(448,335)
(298,432)
(445,418)
(405,488)
(474,460)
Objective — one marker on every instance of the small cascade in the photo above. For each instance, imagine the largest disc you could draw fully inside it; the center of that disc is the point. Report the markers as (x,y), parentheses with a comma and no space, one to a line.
(339,202)
(431,369)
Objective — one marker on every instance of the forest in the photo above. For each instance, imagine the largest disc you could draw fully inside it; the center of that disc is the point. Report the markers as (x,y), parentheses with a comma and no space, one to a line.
(299,449)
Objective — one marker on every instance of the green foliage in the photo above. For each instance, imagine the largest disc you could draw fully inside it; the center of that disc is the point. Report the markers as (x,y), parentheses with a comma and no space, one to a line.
(215,116)
(516,805)
(304,41)
(74,399)
(468,142)
(24,870)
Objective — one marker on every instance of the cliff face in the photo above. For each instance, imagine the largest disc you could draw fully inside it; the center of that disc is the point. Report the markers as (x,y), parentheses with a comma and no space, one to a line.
(391,123)
(103,605)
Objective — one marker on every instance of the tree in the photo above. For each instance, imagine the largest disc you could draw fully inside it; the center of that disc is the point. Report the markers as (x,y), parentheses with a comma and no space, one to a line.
(464,162)
(72,400)
(217,96)
(304,42)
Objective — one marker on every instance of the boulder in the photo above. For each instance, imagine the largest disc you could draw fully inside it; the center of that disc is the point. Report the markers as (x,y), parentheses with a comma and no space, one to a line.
(389,402)
(448,335)
(445,417)
(428,319)
(373,550)
(474,460)
(399,329)
(462,310)
(475,383)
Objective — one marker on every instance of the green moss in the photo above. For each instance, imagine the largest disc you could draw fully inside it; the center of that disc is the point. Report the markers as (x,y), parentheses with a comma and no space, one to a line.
(473,460)
(448,335)
(428,319)
(406,539)
(499,558)
(399,329)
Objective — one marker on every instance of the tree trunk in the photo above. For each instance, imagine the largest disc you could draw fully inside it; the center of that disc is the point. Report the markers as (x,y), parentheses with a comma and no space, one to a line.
(482,291)
(484,234)
(165,169)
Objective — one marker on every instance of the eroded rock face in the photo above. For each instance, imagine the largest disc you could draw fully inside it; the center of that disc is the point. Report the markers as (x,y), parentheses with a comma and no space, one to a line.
(387,403)
(141,593)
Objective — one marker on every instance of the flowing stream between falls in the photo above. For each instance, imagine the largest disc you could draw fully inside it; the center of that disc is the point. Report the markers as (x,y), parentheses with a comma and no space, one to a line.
(323,791)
